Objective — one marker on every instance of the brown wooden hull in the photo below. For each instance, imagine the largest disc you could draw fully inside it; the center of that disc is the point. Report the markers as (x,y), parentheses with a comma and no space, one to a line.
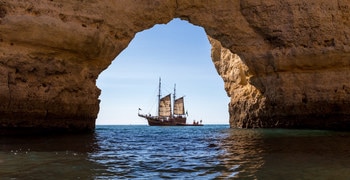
(171,121)
(189,125)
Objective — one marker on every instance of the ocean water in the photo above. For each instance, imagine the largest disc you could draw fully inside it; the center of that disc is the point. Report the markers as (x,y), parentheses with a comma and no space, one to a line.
(208,152)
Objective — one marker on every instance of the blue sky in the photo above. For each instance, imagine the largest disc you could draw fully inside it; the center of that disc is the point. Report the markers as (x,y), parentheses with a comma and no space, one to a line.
(178,52)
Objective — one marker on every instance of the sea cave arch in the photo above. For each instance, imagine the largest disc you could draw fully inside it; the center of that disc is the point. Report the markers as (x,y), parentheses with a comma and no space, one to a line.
(178,52)
(293,70)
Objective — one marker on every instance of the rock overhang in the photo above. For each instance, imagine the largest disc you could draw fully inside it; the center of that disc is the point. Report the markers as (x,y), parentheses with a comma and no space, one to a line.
(291,71)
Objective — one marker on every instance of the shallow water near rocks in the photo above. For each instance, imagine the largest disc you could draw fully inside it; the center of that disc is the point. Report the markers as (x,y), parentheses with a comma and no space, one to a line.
(208,152)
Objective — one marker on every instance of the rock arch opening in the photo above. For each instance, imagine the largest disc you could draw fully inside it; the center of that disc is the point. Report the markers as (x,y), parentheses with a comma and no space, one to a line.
(180,53)
(297,71)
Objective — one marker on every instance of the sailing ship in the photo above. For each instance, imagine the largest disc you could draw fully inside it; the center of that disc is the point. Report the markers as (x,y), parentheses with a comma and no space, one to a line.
(167,117)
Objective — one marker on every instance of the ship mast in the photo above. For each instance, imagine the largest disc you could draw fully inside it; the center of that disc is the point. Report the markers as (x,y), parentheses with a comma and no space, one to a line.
(174,97)
(159,95)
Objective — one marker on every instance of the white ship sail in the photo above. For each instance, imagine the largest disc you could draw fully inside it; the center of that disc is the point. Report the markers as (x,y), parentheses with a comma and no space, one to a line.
(179,107)
(165,106)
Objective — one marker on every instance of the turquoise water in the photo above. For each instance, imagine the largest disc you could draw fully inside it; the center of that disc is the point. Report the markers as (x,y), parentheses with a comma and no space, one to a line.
(208,152)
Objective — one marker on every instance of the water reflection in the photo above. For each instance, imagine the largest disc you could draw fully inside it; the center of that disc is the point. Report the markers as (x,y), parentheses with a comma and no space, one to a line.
(306,154)
(285,154)
(212,152)
(72,142)
(244,153)
(42,157)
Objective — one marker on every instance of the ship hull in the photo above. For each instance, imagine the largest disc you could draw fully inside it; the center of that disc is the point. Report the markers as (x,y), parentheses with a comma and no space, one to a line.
(171,121)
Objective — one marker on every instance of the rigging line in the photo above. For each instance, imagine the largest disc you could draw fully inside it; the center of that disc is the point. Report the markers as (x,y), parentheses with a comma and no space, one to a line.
(166,88)
(169,89)
(151,108)
(152,100)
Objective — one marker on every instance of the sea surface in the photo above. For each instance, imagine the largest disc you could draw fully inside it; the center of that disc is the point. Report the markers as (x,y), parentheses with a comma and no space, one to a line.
(208,152)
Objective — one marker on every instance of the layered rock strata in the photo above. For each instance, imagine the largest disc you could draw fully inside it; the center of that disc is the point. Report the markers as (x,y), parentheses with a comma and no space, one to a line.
(284,63)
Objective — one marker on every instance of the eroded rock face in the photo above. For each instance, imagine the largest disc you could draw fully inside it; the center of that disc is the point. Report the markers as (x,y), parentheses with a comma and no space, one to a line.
(284,63)
(301,80)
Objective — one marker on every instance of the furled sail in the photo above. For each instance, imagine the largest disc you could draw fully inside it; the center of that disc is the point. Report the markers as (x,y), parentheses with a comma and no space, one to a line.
(165,106)
(179,108)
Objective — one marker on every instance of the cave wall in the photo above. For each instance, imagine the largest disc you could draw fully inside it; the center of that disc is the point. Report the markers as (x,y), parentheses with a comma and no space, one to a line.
(284,63)
(301,79)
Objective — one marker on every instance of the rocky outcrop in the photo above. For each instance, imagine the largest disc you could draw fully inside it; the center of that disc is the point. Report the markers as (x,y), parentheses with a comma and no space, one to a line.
(284,63)
(301,79)
(298,95)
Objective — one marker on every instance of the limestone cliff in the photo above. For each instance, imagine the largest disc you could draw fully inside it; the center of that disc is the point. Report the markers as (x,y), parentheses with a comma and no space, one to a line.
(285,63)
(302,78)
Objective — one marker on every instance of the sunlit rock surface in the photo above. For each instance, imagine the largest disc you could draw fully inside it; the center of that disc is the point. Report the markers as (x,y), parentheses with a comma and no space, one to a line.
(284,63)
